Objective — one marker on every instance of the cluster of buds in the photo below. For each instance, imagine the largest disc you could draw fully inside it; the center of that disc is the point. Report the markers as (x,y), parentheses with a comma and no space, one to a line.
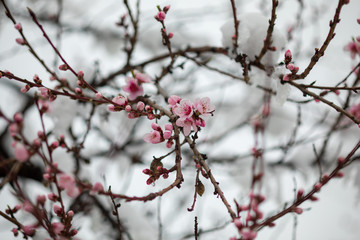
(158,135)
(156,171)
(190,113)
(289,65)
(160,16)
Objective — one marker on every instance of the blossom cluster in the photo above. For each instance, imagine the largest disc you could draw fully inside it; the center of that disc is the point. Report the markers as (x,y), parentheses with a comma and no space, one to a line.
(190,113)
(289,65)
(353,47)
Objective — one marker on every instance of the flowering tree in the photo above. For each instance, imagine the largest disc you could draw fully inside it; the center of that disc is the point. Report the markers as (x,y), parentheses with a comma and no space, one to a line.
(171,124)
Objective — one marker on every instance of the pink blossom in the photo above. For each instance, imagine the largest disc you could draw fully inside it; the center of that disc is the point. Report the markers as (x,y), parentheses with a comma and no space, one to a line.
(142,77)
(286,77)
(21,153)
(29,230)
(186,124)
(167,134)
(67,183)
(169,127)
(174,100)
(98,187)
(248,235)
(184,109)
(200,122)
(28,207)
(41,199)
(44,92)
(170,35)
(98,95)
(203,106)
(57,227)
(133,88)
(238,222)
(52,197)
(355,110)
(153,137)
(354,48)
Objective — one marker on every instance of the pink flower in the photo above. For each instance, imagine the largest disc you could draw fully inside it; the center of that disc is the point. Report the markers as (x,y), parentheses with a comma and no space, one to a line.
(98,95)
(354,48)
(44,92)
(184,109)
(167,134)
(169,127)
(133,88)
(156,127)
(142,77)
(57,227)
(153,137)
(248,235)
(203,106)
(186,124)
(174,100)
(121,100)
(355,110)
(21,153)
(29,230)
(67,183)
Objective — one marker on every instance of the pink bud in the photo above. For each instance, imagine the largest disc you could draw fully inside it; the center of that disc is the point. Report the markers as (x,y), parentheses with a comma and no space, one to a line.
(167,134)
(170,35)
(57,209)
(128,108)
(15,231)
(28,207)
(169,127)
(160,16)
(52,197)
(298,210)
(78,91)
(288,54)
(140,106)
(70,213)
(18,26)
(57,227)
(111,108)
(238,223)
(98,187)
(166,8)
(98,95)
(317,100)
(150,116)
(55,144)
(358,20)
(63,67)
(41,199)
(300,193)
(21,153)
(80,74)
(169,143)
(146,171)
(25,89)
(290,66)
(156,127)
(28,230)
(149,181)
(18,117)
(20,41)
(317,187)
(286,77)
